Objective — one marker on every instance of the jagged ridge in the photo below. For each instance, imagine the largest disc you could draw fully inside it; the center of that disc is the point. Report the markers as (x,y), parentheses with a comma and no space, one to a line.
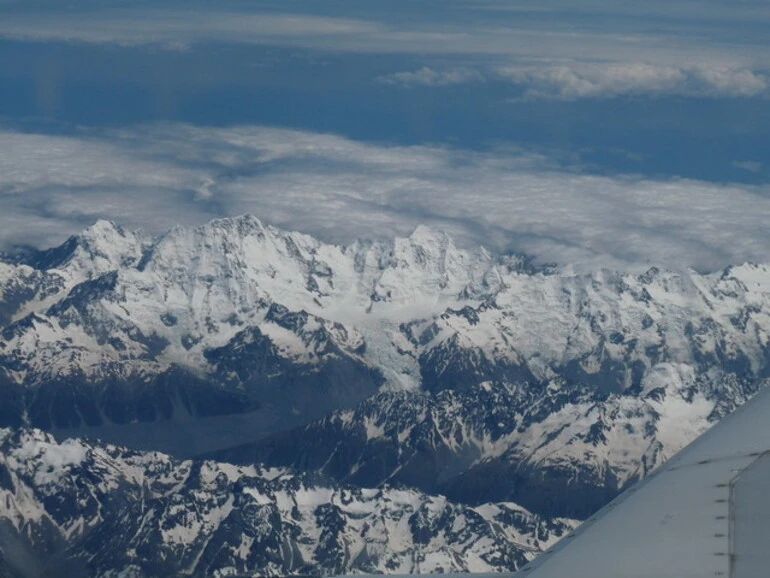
(82,509)
(235,330)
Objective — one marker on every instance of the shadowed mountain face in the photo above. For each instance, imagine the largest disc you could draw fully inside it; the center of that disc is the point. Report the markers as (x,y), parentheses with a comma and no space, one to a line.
(77,509)
(556,449)
(412,362)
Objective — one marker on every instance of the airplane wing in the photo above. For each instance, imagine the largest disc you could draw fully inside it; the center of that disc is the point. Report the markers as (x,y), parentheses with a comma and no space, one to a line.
(705,513)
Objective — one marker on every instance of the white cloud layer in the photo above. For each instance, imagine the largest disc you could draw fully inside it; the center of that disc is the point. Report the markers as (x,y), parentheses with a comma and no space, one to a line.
(750,166)
(477,30)
(158,176)
(180,28)
(427,76)
(576,80)
(604,80)
(569,52)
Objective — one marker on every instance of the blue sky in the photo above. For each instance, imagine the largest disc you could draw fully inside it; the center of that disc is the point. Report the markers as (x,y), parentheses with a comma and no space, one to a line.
(593,131)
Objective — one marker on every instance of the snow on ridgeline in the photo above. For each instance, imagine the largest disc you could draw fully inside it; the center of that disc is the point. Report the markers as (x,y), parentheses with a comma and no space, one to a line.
(599,356)
(151,515)
(111,296)
(194,288)
(110,305)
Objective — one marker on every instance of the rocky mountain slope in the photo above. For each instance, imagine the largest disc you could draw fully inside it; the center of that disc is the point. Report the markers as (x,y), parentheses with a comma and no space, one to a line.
(562,451)
(409,362)
(81,509)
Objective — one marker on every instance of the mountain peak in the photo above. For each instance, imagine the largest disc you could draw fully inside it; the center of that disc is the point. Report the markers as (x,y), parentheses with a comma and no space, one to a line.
(426,233)
(101,227)
(103,247)
(243,225)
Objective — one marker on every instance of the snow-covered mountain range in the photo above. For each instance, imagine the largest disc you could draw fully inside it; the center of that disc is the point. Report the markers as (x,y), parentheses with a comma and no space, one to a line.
(76,509)
(411,362)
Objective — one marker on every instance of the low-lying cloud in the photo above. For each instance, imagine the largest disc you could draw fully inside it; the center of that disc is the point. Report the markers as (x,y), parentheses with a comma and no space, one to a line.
(563,53)
(427,76)
(155,177)
(472,29)
(575,80)
(750,166)
(605,80)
